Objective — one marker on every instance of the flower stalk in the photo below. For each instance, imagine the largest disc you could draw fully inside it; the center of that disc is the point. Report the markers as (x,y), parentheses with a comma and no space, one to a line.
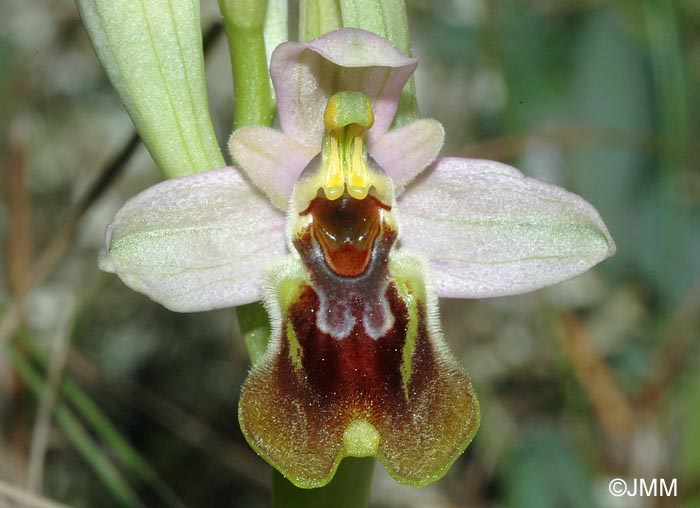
(349,489)
(244,21)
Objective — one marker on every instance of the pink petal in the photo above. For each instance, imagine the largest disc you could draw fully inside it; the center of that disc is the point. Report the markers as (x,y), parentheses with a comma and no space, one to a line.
(195,243)
(305,75)
(405,152)
(271,160)
(490,231)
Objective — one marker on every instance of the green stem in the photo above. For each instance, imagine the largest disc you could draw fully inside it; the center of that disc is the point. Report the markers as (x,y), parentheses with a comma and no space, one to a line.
(350,488)
(244,21)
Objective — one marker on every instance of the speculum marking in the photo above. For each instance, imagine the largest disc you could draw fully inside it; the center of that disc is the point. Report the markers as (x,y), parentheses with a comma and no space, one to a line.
(346,229)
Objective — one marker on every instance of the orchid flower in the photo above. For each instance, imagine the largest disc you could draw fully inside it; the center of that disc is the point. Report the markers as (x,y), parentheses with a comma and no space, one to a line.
(349,232)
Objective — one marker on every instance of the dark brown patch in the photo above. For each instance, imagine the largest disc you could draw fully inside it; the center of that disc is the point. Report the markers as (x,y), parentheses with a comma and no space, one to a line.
(358,364)
(297,417)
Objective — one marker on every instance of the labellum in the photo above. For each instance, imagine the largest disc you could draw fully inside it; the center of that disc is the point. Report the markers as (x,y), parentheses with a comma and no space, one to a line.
(357,365)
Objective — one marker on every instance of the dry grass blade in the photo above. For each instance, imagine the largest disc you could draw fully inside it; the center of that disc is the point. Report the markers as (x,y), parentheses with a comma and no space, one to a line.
(13,497)
(81,440)
(237,457)
(19,242)
(42,424)
(611,405)
(99,424)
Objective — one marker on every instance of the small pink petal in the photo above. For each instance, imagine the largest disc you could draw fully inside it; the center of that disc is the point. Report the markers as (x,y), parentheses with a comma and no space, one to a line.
(195,243)
(306,75)
(271,160)
(490,231)
(405,152)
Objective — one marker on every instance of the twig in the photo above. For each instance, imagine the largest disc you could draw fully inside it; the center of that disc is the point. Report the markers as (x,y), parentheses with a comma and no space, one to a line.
(60,241)
(42,423)
(611,406)
(19,237)
(17,498)
(9,321)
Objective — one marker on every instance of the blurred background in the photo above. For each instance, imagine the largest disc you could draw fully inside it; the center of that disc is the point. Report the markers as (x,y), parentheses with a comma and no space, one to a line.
(109,400)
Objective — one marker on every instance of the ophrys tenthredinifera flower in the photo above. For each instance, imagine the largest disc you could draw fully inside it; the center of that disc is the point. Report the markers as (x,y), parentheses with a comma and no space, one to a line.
(356,365)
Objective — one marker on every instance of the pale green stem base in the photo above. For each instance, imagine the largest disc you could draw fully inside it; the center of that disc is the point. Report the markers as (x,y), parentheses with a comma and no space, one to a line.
(350,488)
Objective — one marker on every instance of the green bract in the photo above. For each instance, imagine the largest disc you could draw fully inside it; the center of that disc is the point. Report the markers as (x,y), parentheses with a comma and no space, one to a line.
(152,51)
